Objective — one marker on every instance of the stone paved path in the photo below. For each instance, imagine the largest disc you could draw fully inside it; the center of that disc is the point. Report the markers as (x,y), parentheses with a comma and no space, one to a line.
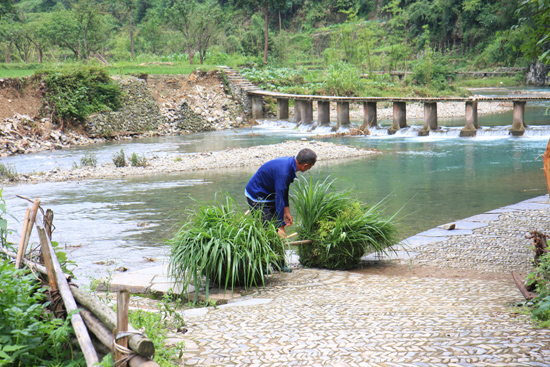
(313,317)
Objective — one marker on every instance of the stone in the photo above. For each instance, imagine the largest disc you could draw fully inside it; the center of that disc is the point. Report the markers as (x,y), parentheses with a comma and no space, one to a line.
(449,226)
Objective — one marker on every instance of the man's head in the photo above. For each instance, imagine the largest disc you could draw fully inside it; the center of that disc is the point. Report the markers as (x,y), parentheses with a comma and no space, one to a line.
(305,159)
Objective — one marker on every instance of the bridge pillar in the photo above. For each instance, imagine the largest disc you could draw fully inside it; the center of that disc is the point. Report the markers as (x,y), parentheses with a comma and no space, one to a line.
(307,112)
(518,123)
(297,111)
(430,118)
(342,114)
(323,113)
(471,125)
(257,107)
(399,117)
(369,115)
(282,109)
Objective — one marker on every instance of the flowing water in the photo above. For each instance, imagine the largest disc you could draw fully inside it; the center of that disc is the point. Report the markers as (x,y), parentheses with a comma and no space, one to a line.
(427,181)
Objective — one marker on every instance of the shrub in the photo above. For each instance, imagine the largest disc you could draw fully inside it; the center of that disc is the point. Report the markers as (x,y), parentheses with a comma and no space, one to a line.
(28,336)
(539,278)
(73,93)
(343,79)
(342,228)
(137,161)
(224,245)
(119,159)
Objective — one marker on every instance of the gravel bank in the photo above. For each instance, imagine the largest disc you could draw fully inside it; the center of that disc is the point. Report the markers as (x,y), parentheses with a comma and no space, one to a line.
(239,157)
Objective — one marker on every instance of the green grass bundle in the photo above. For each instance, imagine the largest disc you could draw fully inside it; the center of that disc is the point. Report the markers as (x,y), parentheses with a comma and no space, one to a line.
(342,228)
(226,247)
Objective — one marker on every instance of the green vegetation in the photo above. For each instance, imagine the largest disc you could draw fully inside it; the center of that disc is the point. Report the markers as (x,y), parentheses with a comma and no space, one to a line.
(342,228)
(540,280)
(227,247)
(73,93)
(8,172)
(138,161)
(29,335)
(88,160)
(119,159)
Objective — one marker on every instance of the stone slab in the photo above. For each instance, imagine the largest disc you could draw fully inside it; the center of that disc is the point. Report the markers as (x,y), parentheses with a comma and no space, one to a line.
(440,232)
(248,302)
(466,224)
(483,218)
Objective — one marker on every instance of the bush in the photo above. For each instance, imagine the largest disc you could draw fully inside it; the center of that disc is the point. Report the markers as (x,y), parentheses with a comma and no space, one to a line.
(73,93)
(137,161)
(28,336)
(224,245)
(8,172)
(540,280)
(89,160)
(342,228)
(119,159)
(343,79)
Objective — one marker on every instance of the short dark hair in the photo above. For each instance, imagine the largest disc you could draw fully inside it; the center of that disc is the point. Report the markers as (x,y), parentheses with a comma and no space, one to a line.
(306,156)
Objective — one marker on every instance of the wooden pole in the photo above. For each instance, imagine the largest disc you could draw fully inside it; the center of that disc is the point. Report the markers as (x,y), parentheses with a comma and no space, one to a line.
(546,166)
(138,343)
(105,336)
(70,304)
(123,300)
(34,266)
(30,217)
(303,242)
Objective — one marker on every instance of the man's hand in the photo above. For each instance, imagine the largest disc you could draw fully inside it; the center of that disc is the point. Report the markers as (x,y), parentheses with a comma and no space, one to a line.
(287,217)
(281,231)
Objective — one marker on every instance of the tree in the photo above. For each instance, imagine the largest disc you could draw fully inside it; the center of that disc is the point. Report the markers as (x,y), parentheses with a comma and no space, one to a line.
(535,19)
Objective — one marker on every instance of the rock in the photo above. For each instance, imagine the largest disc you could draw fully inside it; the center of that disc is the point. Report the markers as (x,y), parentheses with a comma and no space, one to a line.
(449,226)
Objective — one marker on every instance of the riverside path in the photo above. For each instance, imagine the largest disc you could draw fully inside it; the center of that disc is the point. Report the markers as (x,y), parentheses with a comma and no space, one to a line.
(449,300)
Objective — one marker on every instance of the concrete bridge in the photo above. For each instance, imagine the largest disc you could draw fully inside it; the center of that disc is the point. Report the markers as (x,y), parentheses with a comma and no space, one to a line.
(303,108)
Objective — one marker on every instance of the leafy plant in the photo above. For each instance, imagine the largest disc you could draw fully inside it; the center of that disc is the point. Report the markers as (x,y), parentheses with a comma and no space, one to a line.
(88,160)
(225,246)
(138,161)
(73,93)
(119,159)
(28,336)
(539,278)
(342,228)
(343,79)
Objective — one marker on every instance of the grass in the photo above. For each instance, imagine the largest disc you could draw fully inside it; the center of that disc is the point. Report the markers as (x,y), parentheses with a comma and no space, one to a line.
(489,82)
(222,245)
(342,228)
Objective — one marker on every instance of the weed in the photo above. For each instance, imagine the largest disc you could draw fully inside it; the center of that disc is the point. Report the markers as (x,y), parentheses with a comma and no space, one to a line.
(119,159)
(89,160)
(8,172)
(138,161)
(177,159)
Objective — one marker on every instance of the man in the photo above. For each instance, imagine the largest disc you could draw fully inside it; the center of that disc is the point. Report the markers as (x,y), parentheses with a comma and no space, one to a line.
(267,190)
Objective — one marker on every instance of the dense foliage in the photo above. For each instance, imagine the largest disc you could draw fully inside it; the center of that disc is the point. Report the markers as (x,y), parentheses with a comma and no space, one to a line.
(342,228)
(374,35)
(29,336)
(540,279)
(225,246)
(74,93)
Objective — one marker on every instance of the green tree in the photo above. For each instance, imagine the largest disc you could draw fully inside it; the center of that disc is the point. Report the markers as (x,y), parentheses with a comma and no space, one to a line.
(535,22)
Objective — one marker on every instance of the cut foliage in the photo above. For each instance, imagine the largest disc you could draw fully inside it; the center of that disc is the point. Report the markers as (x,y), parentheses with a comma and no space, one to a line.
(342,228)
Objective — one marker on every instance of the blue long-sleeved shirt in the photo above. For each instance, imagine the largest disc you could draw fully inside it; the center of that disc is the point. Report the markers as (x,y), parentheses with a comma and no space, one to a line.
(271,182)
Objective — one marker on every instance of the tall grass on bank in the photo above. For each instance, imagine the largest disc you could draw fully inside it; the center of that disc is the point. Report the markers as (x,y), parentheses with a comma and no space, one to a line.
(342,228)
(224,246)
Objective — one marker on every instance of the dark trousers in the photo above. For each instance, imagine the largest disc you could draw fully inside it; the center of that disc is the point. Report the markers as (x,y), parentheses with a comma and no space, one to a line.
(268,209)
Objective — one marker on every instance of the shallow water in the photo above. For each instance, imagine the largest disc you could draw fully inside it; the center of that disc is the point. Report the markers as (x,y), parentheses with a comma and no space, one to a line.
(428,180)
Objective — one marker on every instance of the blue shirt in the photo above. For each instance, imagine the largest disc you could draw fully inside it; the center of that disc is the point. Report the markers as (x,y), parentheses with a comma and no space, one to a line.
(271,182)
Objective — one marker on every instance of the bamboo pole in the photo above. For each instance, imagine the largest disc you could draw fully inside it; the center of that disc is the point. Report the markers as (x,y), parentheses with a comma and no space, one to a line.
(138,343)
(123,300)
(30,217)
(303,242)
(104,335)
(70,304)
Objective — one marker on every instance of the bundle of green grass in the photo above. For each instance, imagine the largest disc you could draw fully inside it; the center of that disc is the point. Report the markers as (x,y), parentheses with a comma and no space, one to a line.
(342,228)
(220,244)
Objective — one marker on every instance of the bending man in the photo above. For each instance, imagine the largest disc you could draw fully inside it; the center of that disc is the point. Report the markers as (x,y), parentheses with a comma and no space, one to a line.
(268,188)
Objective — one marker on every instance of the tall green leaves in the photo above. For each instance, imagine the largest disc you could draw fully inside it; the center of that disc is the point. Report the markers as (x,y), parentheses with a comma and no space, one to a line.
(220,244)
(342,228)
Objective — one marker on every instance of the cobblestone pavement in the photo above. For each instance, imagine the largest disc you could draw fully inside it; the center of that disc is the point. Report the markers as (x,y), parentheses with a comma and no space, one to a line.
(313,317)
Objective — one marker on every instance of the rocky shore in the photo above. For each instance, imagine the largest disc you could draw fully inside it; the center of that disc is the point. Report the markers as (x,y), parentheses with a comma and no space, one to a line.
(238,157)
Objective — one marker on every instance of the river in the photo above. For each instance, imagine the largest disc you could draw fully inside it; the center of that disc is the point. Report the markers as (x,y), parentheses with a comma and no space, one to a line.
(427,181)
